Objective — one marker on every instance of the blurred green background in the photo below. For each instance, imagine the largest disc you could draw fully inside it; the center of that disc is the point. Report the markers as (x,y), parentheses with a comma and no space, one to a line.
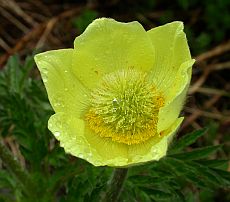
(28,27)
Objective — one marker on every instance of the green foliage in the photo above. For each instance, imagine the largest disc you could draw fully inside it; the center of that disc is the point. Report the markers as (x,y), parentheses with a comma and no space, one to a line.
(184,175)
(186,140)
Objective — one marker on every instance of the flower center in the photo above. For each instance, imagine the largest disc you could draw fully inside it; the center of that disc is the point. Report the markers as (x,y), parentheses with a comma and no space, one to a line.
(124,107)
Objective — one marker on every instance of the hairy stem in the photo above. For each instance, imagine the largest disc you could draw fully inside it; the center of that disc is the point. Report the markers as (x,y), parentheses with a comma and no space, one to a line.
(115,185)
(14,167)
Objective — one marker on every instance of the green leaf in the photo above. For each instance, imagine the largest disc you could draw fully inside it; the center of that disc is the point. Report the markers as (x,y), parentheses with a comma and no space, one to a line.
(157,194)
(219,164)
(184,172)
(178,167)
(148,180)
(5,179)
(179,195)
(186,140)
(195,154)
(211,176)
(62,175)
(206,174)
(200,175)
(224,174)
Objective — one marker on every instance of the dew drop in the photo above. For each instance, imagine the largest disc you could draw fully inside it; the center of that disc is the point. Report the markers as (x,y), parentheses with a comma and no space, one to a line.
(58,102)
(154,151)
(80,155)
(57,133)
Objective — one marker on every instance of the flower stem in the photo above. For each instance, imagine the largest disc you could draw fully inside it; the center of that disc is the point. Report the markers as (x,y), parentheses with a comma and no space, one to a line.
(15,168)
(115,185)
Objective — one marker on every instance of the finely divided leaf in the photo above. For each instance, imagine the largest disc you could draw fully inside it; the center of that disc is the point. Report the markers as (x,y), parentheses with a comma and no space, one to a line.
(214,163)
(186,140)
(196,154)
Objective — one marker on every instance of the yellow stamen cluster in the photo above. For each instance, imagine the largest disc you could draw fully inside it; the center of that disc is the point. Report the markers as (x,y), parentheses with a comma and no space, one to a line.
(124,107)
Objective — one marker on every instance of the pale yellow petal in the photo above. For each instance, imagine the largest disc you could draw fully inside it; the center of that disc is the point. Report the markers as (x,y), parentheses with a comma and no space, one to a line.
(172,108)
(172,70)
(70,132)
(171,51)
(155,148)
(75,138)
(108,45)
(108,152)
(65,92)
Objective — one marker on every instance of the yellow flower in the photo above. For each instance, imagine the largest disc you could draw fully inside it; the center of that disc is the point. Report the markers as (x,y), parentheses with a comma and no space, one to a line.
(118,94)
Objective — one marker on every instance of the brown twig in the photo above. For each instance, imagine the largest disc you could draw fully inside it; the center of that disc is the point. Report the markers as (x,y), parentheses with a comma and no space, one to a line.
(37,31)
(207,70)
(47,31)
(11,4)
(4,45)
(205,113)
(196,113)
(218,50)
(200,81)
(14,20)
(21,43)
(220,66)
(14,147)
(212,91)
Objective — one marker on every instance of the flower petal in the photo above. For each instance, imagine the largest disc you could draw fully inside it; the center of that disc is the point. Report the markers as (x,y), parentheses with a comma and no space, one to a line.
(65,92)
(109,152)
(108,45)
(78,141)
(176,97)
(70,132)
(172,70)
(171,50)
(154,149)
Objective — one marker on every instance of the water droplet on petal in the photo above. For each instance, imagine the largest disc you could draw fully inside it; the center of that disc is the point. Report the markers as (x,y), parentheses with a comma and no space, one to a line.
(57,133)
(58,102)
(80,155)
(154,151)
